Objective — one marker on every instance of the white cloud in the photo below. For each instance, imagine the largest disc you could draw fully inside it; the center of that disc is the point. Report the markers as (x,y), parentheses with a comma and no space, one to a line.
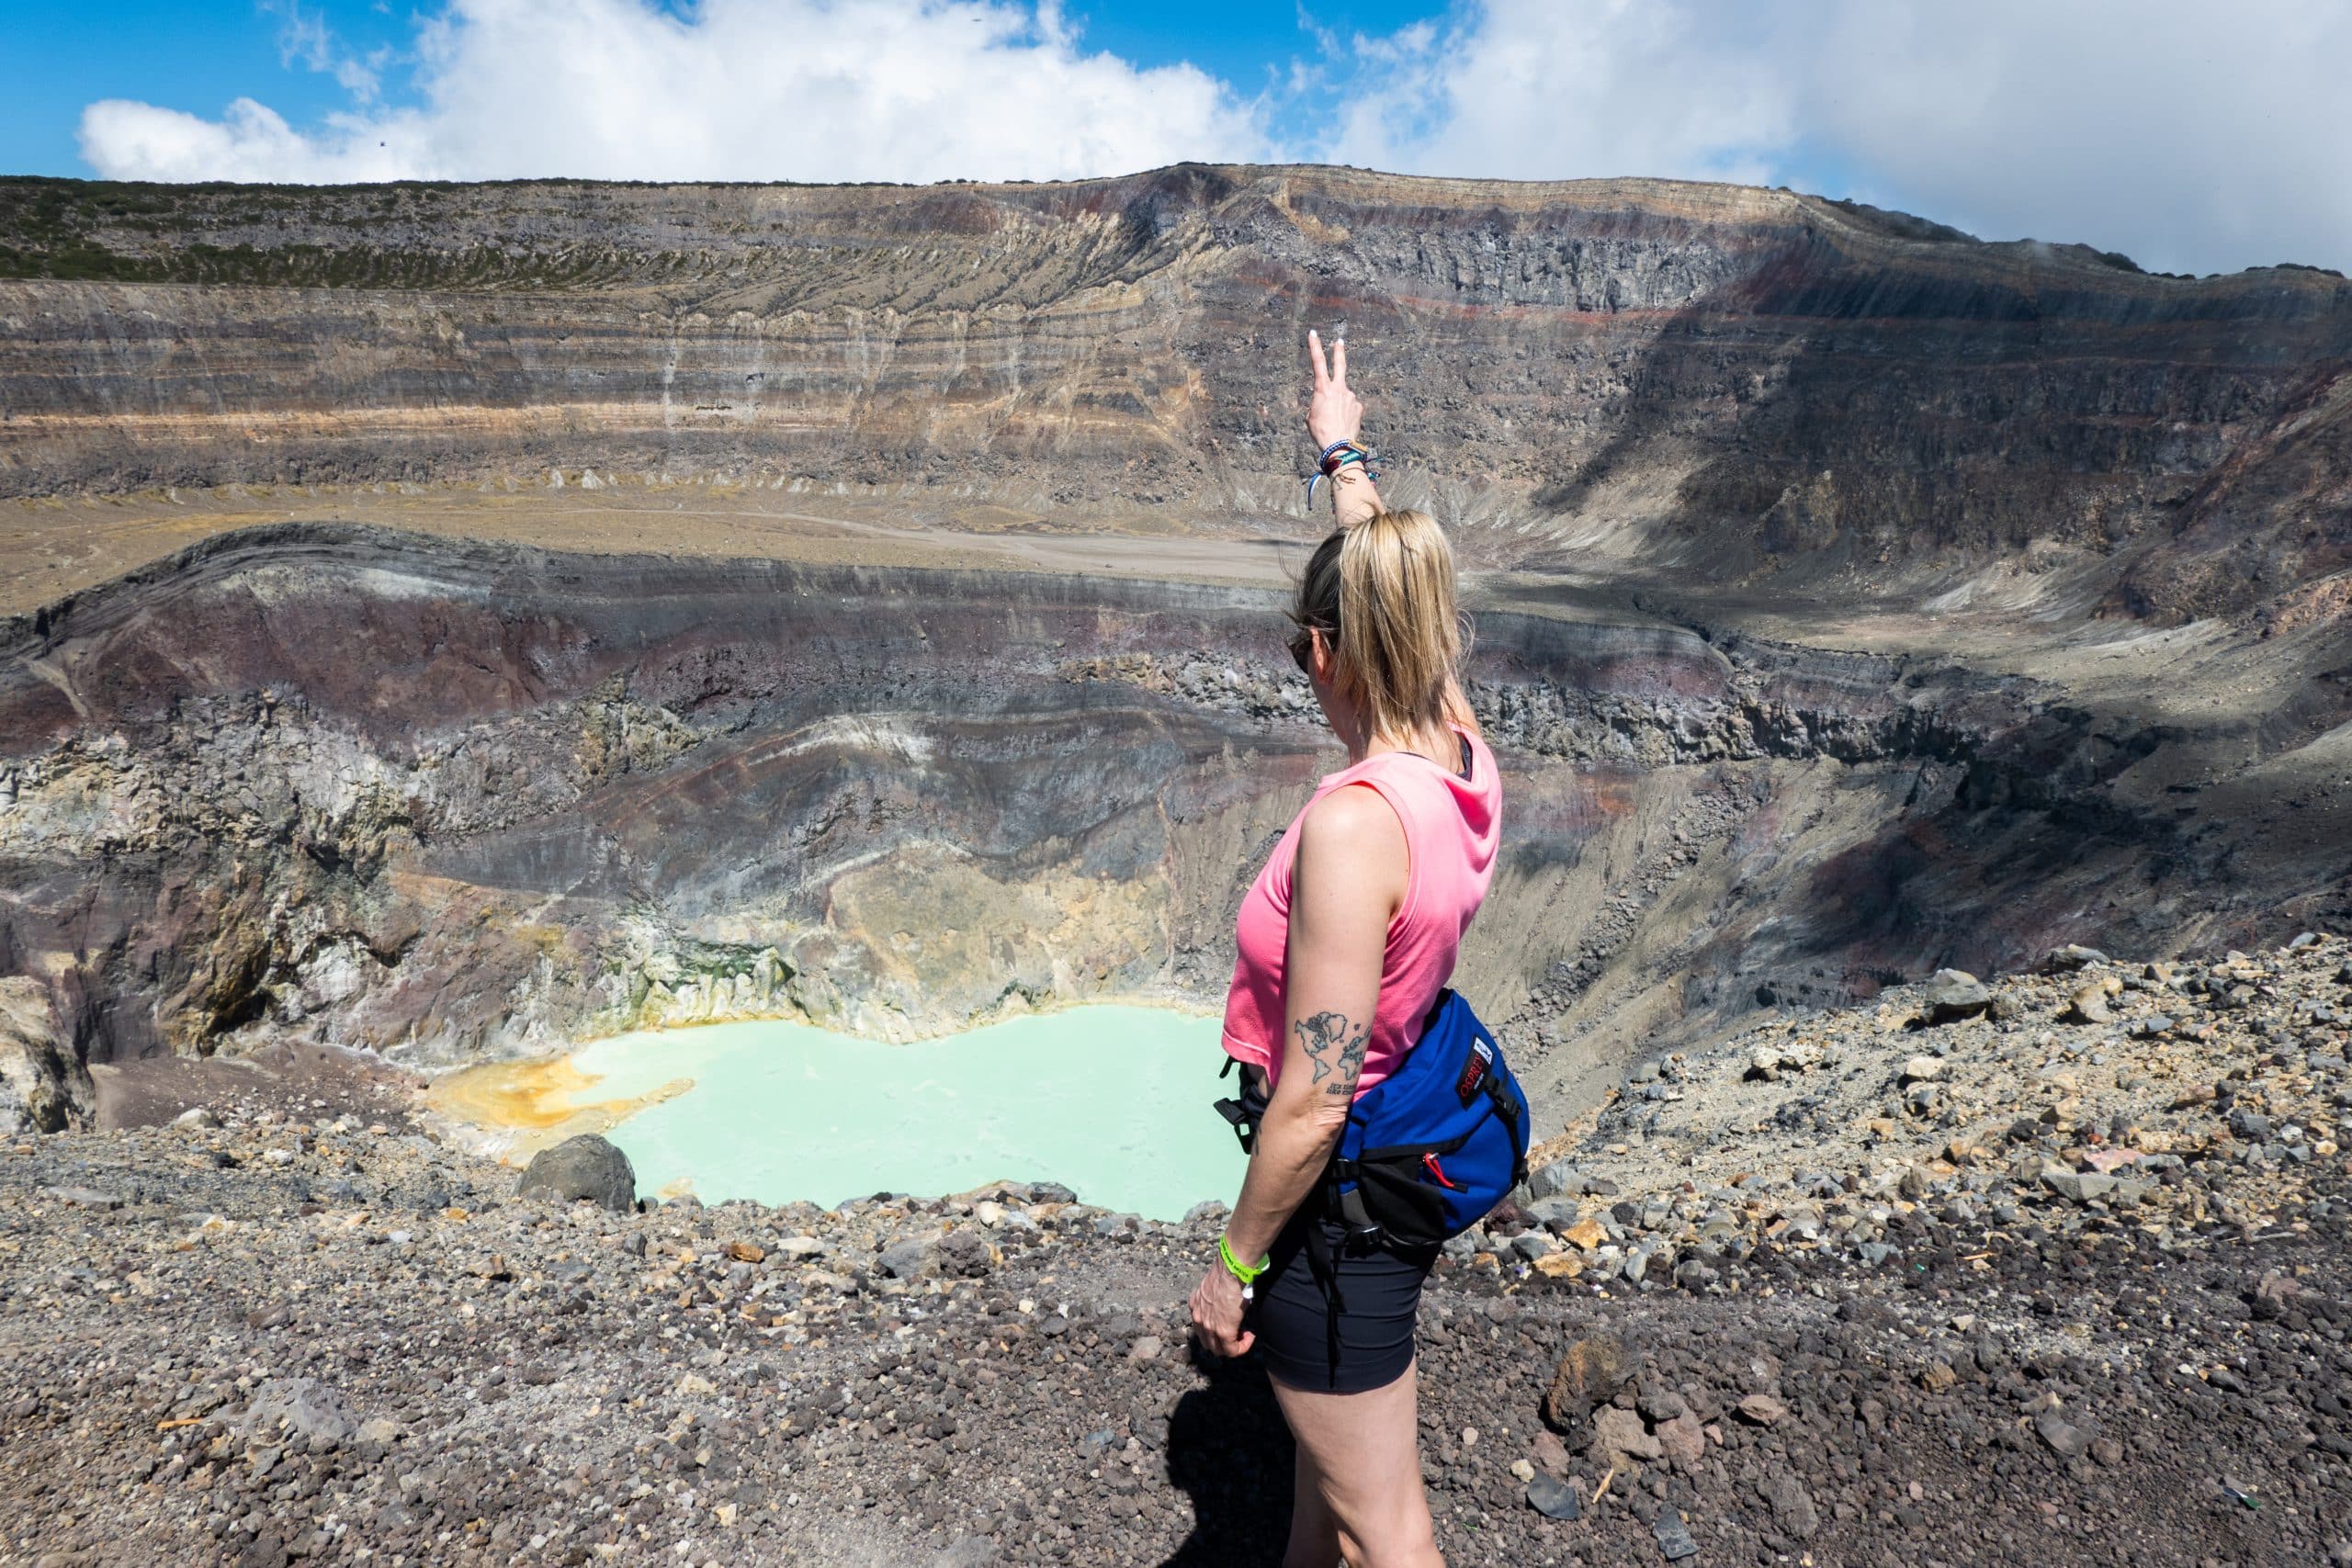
(251,142)
(2191,138)
(1551,89)
(735,89)
(304,38)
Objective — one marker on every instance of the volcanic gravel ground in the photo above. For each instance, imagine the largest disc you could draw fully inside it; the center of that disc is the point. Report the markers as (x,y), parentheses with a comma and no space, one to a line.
(280,1339)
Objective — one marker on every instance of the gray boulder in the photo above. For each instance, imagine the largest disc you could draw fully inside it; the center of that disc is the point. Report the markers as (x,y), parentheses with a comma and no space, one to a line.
(1557,1181)
(1555,1215)
(2079,1187)
(586,1166)
(905,1260)
(1955,994)
(299,1405)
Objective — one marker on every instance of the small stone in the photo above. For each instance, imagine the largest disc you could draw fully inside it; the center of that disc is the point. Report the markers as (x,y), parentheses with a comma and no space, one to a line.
(1923,1069)
(966,1253)
(2072,956)
(1656,1401)
(1792,1506)
(1763,1409)
(1553,1498)
(1683,1439)
(1522,1470)
(1146,1349)
(1586,1233)
(1620,1441)
(2087,1005)
(2065,1439)
(1674,1542)
(747,1252)
(83,1197)
(197,1117)
(1592,1371)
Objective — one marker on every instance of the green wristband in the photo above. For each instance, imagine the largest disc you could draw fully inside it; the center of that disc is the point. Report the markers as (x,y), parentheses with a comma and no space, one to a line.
(1237,1268)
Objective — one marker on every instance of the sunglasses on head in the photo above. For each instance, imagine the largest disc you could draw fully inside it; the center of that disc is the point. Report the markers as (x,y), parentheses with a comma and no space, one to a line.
(1301,643)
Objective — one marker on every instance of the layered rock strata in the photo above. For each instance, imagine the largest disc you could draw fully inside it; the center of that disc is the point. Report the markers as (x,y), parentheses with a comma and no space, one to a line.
(1668,378)
(443,800)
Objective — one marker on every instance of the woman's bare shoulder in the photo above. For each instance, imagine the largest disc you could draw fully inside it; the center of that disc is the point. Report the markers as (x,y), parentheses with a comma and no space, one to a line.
(1355,825)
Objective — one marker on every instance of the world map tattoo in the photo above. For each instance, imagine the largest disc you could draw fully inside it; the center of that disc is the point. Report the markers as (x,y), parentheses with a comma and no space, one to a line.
(1334,1046)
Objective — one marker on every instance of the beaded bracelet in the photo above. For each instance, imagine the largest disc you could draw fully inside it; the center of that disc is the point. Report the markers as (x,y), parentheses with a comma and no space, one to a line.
(1338,455)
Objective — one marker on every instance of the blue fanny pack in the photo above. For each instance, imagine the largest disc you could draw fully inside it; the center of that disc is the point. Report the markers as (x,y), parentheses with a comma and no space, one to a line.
(1428,1150)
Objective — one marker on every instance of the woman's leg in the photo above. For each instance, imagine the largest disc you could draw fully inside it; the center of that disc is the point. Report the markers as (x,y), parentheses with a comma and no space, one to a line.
(1314,1533)
(1364,1451)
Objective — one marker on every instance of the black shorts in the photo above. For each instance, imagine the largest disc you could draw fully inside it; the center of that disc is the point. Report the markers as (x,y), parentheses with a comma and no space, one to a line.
(1379,1291)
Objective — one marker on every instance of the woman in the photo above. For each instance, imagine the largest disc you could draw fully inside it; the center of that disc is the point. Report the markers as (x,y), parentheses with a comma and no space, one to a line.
(1346,937)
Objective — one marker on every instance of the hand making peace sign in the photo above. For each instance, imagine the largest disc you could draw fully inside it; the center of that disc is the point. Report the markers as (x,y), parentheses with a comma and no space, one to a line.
(1333,412)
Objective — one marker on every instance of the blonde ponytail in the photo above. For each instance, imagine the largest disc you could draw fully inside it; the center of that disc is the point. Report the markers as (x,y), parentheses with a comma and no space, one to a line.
(1382,593)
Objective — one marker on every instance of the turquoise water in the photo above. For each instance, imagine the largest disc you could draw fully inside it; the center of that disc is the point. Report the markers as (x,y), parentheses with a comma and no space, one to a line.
(1110,1102)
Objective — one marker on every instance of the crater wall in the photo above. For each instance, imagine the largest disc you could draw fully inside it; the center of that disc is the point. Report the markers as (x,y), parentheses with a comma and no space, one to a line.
(1686,379)
(446,800)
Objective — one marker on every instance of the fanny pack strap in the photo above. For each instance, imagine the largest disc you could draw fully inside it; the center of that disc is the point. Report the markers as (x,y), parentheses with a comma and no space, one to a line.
(1507,1106)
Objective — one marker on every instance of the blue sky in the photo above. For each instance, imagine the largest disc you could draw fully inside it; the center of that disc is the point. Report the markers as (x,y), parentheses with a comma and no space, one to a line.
(2139,126)
(197,55)
(193,56)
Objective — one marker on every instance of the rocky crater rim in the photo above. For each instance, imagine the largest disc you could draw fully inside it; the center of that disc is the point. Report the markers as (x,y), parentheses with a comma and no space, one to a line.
(39,214)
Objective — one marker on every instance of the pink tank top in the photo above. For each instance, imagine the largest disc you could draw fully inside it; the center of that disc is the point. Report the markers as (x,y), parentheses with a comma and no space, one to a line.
(1451,826)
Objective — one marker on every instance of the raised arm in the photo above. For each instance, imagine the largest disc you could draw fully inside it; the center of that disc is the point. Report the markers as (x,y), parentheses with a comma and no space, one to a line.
(1335,414)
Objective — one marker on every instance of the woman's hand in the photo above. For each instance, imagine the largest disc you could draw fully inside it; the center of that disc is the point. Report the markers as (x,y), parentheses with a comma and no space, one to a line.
(1217,1312)
(1333,412)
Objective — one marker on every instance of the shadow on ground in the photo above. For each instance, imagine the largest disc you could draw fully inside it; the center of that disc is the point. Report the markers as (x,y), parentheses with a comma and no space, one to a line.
(1230,1452)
